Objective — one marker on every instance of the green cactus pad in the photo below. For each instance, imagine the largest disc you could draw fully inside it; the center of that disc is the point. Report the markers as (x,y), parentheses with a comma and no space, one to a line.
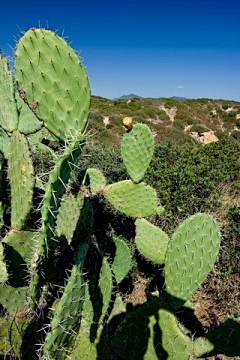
(5,143)
(14,300)
(21,176)
(96,180)
(174,342)
(8,107)
(191,254)
(66,316)
(68,215)
(53,82)
(28,123)
(122,260)
(151,241)
(135,337)
(137,150)
(3,269)
(136,200)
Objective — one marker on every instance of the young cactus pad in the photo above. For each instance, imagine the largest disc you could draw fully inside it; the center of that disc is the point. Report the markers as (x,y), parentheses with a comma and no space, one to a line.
(137,150)
(151,241)
(122,261)
(68,215)
(96,180)
(53,82)
(191,254)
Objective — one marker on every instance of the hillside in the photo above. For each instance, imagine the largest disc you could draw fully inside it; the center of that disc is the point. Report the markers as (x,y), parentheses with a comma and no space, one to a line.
(171,120)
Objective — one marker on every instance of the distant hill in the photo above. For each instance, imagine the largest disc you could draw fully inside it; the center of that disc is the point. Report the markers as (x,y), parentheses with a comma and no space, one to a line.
(178,98)
(129,97)
(172,120)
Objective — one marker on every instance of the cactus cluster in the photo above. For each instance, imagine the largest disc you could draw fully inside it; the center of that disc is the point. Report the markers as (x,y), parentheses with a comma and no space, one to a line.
(58,288)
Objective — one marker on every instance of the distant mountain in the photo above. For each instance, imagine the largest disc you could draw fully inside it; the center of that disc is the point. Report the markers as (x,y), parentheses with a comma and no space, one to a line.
(178,98)
(129,97)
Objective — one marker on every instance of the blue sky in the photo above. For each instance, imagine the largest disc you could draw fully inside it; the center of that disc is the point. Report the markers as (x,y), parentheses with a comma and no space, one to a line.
(152,48)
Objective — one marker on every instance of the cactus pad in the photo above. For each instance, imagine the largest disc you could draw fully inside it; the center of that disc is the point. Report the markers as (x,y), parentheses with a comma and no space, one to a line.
(20,174)
(8,106)
(191,254)
(23,243)
(174,342)
(13,299)
(137,150)
(68,215)
(122,260)
(151,241)
(96,180)
(28,123)
(136,200)
(53,82)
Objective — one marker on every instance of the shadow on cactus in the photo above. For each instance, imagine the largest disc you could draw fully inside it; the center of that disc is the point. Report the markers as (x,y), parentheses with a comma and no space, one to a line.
(63,270)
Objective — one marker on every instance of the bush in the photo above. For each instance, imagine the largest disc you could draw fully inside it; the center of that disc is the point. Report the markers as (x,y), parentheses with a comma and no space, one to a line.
(185,178)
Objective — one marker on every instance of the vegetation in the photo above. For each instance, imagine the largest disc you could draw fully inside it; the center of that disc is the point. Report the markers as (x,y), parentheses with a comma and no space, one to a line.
(201,115)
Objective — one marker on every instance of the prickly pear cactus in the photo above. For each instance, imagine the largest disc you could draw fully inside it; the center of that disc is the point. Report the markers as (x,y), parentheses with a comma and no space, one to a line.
(43,114)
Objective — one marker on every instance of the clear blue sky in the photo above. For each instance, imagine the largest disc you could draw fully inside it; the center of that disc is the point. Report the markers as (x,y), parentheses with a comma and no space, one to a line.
(151,48)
